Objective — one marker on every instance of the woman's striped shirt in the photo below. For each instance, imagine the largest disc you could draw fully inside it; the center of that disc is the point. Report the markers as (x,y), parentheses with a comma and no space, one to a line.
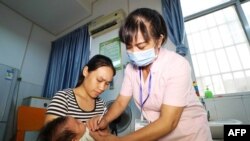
(64,104)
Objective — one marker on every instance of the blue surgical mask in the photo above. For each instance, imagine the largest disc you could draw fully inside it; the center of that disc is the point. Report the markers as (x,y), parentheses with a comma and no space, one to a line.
(142,58)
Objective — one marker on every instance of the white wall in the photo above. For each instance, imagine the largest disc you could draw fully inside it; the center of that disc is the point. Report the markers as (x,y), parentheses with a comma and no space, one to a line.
(25,46)
(14,35)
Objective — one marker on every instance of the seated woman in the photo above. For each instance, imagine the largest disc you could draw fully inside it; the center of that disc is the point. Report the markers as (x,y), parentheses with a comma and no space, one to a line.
(84,102)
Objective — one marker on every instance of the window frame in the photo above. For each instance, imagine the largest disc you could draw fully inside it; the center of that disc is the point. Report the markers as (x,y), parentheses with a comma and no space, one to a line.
(243,20)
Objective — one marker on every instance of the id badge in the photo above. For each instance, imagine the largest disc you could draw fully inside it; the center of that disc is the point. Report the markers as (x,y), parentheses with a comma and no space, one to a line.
(140,124)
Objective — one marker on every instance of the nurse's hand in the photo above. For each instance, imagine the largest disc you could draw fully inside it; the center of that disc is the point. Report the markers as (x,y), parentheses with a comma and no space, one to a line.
(97,123)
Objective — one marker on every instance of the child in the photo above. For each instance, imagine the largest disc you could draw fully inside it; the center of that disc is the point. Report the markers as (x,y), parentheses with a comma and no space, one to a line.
(65,128)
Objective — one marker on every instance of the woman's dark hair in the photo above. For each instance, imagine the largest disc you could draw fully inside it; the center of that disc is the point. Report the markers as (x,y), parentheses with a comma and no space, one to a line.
(50,132)
(137,20)
(94,63)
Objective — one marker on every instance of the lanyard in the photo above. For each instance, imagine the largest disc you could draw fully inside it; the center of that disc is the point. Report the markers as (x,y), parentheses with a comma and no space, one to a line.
(149,89)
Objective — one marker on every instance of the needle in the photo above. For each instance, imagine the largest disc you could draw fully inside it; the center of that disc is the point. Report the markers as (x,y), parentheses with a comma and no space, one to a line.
(105,108)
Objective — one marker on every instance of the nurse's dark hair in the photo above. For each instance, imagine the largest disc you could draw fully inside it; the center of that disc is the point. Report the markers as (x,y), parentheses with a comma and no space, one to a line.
(138,20)
(94,63)
(52,131)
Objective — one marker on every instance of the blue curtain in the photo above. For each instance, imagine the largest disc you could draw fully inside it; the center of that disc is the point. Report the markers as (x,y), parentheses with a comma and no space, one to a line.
(173,17)
(68,56)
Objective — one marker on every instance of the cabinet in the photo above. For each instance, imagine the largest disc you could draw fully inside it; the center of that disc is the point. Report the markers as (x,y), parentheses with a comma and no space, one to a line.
(38,102)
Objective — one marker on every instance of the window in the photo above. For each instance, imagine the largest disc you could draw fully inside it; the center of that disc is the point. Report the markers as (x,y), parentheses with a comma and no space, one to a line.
(219,48)
(194,6)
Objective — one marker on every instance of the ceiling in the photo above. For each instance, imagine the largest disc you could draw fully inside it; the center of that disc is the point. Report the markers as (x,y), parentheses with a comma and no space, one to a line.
(55,16)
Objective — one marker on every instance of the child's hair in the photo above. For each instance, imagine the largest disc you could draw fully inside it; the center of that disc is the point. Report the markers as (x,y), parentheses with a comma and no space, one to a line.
(53,131)
(94,63)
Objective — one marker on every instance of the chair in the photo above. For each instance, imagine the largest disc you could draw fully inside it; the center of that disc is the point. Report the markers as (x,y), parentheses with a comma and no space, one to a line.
(29,119)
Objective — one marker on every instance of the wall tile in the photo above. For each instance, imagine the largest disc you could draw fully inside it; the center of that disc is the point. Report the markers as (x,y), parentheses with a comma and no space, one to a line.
(230,108)
(211,108)
(246,104)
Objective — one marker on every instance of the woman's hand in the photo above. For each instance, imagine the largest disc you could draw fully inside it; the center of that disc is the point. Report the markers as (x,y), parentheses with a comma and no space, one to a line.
(97,123)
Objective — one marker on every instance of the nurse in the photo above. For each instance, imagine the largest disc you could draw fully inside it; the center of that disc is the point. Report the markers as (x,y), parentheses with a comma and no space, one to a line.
(160,82)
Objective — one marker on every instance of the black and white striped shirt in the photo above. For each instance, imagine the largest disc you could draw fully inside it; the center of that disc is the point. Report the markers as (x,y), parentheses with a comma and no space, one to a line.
(64,104)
